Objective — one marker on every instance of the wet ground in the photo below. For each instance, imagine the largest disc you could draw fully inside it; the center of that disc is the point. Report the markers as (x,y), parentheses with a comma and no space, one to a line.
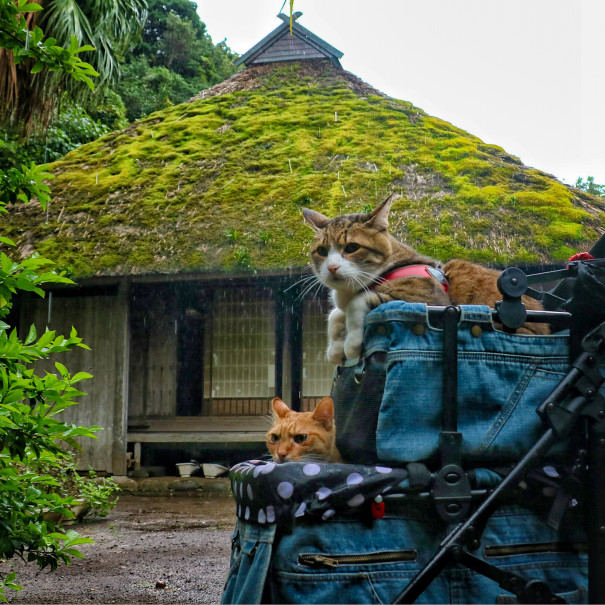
(150,549)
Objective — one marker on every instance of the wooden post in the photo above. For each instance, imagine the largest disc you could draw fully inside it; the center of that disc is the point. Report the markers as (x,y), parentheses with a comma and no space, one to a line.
(120,418)
(279,343)
(137,456)
(296,352)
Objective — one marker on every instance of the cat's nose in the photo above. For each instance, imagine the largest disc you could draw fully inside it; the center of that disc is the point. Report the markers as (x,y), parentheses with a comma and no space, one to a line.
(332,268)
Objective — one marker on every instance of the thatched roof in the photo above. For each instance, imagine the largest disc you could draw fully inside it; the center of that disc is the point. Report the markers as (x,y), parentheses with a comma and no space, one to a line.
(218,183)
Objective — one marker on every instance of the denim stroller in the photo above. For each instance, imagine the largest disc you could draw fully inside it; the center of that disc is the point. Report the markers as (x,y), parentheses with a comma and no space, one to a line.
(466,494)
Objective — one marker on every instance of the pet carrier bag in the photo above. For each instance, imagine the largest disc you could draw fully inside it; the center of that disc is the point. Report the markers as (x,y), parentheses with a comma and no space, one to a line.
(440,411)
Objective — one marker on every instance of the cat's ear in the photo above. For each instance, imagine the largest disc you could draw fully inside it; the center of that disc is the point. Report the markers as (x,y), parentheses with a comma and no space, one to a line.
(379,217)
(280,408)
(324,413)
(315,220)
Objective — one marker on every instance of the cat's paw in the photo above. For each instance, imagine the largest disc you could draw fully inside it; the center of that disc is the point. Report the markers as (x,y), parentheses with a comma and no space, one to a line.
(356,312)
(336,352)
(352,344)
(337,325)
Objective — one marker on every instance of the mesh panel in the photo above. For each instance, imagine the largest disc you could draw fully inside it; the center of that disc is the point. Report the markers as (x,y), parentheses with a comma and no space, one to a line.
(243,345)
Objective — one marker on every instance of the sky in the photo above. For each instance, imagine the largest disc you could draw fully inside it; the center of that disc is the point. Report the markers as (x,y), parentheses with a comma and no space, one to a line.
(526,75)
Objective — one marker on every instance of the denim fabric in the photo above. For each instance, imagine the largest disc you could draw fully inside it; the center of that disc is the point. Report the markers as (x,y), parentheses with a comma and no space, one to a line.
(251,550)
(395,392)
(535,551)
(502,378)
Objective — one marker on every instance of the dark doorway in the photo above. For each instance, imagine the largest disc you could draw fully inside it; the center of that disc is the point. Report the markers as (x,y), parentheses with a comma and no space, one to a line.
(190,352)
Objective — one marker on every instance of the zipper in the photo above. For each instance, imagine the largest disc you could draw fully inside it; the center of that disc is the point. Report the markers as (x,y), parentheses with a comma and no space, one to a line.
(531,549)
(333,561)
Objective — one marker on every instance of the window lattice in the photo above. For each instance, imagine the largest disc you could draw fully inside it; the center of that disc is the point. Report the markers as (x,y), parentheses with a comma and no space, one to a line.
(243,345)
(317,370)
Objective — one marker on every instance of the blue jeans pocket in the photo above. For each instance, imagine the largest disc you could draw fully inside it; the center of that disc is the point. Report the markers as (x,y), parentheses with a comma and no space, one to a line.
(251,551)
(502,379)
(349,561)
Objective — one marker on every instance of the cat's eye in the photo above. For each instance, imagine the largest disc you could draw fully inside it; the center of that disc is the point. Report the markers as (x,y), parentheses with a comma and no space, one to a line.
(300,439)
(273,438)
(322,251)
(351,247)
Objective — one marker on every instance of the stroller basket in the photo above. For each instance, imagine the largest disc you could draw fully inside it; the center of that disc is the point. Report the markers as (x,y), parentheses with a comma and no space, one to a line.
(478,486)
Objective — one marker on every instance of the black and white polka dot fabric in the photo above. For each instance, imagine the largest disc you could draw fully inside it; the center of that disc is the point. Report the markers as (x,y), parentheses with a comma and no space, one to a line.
(266,492)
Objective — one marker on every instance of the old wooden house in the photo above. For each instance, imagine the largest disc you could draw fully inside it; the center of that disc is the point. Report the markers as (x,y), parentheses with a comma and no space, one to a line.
(196,357)
(185,238)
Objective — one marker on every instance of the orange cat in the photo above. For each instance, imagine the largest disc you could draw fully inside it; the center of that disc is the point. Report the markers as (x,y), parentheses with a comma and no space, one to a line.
(364,265)
(297,436)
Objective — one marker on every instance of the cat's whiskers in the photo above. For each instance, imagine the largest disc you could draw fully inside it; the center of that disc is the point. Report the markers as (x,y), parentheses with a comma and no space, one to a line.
(303,280)
(317,285)
(374,278)
(308,283)
(364,285)
(269,418)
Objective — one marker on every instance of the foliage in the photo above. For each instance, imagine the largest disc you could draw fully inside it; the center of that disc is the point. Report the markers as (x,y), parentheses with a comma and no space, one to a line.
(21,186)
(72,127)
(25,53)
(31,429)
(32,46)
(146,89)
(174,60)
(108,27)
(98,493)
(156,24)
(108,110)
(590,186)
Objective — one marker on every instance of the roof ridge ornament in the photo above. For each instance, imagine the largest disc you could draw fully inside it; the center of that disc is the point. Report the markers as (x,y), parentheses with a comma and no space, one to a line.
(286,18)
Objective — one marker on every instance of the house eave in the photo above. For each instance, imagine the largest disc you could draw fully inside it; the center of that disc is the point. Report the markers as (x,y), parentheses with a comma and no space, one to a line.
(213,277)
(300,32)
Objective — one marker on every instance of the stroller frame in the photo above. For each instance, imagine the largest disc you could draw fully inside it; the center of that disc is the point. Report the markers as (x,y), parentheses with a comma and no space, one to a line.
(574,405)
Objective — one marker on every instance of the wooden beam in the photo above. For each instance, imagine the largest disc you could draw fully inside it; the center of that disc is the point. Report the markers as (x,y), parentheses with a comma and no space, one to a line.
(197,437)
(202,424)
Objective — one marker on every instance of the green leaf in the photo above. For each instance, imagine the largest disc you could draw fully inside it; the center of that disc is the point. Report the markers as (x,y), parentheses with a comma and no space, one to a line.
(38,67)
(31,335)
(80,376)
(73,552)
(29,8)
(85,48)
(62,369)
(45,339)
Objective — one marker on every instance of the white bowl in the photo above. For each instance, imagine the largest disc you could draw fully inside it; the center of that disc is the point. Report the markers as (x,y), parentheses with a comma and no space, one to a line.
(214,470)
(187,468)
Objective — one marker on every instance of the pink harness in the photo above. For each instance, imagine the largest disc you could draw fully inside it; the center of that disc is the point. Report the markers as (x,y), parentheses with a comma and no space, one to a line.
(417,271)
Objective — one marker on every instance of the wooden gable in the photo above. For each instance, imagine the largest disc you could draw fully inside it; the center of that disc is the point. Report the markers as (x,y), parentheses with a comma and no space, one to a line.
(281,45)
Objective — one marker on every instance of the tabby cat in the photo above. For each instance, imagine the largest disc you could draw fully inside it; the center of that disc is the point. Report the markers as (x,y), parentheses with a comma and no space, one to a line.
(355,256)
(303,435)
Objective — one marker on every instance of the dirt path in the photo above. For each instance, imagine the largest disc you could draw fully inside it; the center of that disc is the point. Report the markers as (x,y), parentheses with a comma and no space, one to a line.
(182,541)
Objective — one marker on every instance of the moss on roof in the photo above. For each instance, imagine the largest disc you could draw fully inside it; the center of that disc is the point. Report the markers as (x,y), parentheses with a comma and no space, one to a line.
(218,183)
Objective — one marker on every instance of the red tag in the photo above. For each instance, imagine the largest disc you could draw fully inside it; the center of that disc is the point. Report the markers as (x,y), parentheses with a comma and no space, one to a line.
(378,510)
(581,256)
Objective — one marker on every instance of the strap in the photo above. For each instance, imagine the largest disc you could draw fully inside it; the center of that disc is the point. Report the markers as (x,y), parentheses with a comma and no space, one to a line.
(417,271)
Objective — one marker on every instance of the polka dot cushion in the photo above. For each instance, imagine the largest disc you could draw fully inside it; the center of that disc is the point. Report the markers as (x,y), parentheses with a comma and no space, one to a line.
(266,492)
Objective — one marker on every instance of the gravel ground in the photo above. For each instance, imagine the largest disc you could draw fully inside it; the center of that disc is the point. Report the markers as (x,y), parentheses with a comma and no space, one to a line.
(159,549)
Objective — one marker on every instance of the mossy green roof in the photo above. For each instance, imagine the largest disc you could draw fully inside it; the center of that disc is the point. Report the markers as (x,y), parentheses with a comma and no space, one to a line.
(218,183)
